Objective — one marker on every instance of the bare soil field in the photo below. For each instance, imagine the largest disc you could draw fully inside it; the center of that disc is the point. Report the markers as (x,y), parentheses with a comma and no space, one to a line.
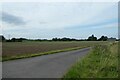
(19,48)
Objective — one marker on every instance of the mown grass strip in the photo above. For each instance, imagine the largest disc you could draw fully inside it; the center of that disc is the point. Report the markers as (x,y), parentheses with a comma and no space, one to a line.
(40,54)
(101,62)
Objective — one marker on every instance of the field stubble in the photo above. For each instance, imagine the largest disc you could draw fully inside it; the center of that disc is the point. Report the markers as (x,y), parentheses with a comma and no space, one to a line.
(16,50)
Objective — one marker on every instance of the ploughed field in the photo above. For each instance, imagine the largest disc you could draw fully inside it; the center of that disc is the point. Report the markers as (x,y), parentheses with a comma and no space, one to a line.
(31,47)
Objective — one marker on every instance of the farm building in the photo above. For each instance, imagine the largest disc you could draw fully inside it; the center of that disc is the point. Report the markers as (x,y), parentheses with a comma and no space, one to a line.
(111,39)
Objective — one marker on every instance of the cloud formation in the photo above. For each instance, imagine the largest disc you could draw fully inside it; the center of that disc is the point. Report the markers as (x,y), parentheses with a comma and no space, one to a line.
(12,19)
(48,20)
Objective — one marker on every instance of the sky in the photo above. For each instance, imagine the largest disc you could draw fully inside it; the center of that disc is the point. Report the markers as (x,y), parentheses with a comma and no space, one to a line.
(59,19)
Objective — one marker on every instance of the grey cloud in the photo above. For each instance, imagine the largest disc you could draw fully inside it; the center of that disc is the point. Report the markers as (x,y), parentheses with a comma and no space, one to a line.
(12,19)
(43,22)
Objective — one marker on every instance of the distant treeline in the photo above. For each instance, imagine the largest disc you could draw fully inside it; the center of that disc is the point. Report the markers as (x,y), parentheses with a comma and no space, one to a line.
(16,40)
(90,38)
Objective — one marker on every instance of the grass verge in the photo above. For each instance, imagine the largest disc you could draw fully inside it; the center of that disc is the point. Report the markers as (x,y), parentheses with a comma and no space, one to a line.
(102,62)
(39,54)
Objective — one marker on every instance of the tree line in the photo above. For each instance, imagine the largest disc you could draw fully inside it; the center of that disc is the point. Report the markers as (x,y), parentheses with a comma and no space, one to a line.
(90,38)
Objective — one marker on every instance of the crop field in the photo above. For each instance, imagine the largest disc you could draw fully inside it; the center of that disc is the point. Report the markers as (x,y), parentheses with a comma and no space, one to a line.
(101,62)
(13,49)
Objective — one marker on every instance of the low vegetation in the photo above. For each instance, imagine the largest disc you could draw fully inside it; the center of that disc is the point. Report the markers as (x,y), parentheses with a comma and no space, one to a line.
(101,62)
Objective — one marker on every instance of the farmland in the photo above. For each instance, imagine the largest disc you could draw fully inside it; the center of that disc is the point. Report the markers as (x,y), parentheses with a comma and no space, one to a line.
(101,62)
(31,48)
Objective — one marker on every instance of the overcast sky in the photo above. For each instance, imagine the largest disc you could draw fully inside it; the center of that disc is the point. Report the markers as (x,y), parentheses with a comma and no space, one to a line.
(59,19)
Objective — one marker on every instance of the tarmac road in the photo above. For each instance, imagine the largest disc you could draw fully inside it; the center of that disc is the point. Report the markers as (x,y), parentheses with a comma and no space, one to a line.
(46,66)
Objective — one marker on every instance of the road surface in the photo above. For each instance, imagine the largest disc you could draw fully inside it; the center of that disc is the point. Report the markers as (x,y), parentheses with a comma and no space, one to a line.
(46,66)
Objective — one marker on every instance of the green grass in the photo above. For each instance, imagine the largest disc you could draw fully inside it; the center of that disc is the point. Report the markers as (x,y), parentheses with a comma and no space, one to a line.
(101,62)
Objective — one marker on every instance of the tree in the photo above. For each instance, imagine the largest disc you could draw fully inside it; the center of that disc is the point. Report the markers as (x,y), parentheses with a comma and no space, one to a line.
(13,39)
(54,39)
(63,39)
(16,39)
(103,38)
(92,38)
(2,38)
